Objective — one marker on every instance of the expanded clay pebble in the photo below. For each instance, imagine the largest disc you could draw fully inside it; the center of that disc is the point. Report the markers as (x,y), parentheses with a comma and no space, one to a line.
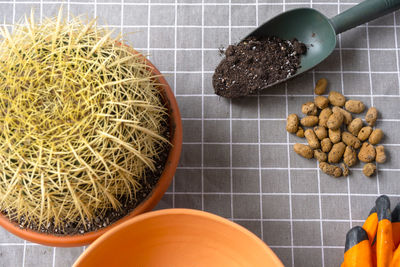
(335,120)
(371,116)
(369,169)
(375,136)
(367,153)
(351,140)
(380,154)
(312,139)
(354,106)
(350,156)
(326,145)
(346,170)
(331,170)
(320,132)
(321,102)
(355,126)
(309,108)
(347,118)
(336,153)
(319,155)
(300,132)
(320,87)
(309,121)
(303,150)
(292,123)
(324,116)
(335,135)
(336,99)
(364,133)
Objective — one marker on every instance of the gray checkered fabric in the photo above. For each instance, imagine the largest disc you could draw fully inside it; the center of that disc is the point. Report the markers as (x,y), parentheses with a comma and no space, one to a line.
(237,159)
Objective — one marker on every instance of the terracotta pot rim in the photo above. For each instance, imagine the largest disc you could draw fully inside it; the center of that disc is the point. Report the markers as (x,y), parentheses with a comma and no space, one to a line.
(179,211)
(147,204)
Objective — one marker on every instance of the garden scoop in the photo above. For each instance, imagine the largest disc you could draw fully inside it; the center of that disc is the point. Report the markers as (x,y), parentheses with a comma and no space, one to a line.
(318,32)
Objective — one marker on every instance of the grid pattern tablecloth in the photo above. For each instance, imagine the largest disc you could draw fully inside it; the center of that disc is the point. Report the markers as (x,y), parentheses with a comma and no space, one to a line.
(237,159)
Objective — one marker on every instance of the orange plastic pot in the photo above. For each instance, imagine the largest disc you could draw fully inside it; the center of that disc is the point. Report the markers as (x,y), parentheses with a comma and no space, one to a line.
(178,238)
(148,204)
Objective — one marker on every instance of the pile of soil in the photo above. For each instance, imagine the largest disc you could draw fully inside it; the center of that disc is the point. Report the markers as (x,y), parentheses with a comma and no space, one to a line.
(254,63)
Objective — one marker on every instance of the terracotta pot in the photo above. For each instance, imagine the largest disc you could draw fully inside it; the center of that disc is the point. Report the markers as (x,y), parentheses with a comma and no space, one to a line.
(179,238)
(148,204)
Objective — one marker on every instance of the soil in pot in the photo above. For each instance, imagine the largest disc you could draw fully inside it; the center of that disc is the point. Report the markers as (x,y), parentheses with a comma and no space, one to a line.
(254,63)
(85,129)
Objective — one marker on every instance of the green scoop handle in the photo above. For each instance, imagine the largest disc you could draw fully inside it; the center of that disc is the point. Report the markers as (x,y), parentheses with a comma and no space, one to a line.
(362,13)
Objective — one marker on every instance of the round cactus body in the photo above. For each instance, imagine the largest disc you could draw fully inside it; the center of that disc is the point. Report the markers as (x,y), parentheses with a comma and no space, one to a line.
(81,121)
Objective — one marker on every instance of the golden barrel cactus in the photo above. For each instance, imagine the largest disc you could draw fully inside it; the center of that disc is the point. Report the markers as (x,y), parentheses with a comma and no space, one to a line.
(82,121)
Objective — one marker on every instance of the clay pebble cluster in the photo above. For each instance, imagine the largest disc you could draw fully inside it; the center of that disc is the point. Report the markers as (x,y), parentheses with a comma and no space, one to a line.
(334,138)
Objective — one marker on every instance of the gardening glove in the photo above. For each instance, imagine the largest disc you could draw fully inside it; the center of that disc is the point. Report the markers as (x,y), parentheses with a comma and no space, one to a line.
(357,251)
(396,258)
(396,225)
(384,235)
(371,226)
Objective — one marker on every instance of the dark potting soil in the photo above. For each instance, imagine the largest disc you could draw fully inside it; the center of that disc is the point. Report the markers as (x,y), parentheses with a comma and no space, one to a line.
(111,216)
(254,63)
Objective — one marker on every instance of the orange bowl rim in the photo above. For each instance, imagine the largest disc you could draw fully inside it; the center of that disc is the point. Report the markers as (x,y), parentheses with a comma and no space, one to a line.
(180,211)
